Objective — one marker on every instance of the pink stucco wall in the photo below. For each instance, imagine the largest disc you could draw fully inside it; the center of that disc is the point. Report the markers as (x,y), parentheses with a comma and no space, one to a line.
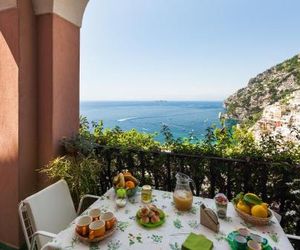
(45,93)
(28,85)
(18,116)
(39,103)
(65,79)
(9,126)
(58,77)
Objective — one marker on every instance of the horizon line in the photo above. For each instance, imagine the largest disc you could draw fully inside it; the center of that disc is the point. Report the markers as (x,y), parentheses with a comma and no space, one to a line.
(150,100)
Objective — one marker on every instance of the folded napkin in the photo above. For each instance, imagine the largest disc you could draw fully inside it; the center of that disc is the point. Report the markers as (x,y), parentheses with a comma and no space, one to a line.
(197,242)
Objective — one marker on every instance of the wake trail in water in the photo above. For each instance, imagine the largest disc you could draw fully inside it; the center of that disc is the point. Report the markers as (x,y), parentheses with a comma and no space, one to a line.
(127,119)
(157,116)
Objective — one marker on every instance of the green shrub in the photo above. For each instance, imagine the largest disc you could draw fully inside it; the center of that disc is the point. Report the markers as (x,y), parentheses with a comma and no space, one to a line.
(80,172)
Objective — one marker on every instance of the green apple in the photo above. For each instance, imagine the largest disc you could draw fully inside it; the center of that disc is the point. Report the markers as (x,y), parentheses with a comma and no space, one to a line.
(121,193)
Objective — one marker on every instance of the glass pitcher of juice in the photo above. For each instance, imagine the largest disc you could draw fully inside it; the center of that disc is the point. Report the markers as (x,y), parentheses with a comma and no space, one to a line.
(183,196)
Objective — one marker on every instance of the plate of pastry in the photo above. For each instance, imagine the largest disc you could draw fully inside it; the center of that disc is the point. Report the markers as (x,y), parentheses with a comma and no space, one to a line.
(150,216)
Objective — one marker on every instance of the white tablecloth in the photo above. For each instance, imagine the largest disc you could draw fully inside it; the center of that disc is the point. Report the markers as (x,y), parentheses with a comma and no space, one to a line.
(172,233)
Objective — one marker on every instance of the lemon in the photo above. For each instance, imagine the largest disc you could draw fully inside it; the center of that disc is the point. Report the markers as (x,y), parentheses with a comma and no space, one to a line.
(243,207)
(259,211)
(265,205)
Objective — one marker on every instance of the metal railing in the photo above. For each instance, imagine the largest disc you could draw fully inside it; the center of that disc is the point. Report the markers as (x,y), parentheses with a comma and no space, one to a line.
(270,180)
(275,182)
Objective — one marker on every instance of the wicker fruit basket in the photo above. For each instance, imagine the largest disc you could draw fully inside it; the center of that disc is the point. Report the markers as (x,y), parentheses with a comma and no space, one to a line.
(121,180)
(129,192)
(254,220)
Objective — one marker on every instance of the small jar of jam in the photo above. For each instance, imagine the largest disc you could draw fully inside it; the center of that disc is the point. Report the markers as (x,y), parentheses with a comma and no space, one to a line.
(221,205)
(146,194)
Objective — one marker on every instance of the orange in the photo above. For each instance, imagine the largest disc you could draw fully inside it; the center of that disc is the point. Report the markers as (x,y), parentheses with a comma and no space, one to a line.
(129,184)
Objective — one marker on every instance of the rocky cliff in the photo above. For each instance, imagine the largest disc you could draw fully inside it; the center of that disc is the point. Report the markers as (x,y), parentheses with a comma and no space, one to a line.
(275,85)
(271,102)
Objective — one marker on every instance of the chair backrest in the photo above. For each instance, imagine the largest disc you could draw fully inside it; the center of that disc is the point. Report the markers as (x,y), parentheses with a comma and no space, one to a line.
(51,209)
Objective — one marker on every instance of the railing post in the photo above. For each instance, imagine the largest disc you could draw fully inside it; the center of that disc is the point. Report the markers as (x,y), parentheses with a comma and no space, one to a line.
(142,166)
(155,173)
(246,177)
(181,164)
(194,165)
(102,180)
(284,190)
(130,161)
(108,158)
(228,191)
(263,180)
(168,165)
(212,179)
(119,161)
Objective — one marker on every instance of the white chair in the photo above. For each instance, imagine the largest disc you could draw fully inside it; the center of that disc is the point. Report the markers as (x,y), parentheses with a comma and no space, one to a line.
(47,212)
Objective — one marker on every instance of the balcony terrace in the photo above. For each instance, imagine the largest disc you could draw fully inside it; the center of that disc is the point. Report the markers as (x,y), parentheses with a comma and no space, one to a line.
(39,91)
(276,179)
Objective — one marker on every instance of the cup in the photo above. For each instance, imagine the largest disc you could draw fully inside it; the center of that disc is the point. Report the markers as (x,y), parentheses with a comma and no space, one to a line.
(253,245)
(96,229)
(95,213)
(240,242)
(82,225)
(109,219)
(257,238)
(244,232)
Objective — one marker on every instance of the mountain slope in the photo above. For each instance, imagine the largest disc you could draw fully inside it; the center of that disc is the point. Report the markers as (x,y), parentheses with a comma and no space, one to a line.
(276,84)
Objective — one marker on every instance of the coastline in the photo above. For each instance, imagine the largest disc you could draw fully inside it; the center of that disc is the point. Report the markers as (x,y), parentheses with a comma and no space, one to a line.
(184,118)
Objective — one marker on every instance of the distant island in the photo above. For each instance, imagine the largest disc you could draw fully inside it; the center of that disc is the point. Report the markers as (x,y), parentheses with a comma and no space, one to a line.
(271,101)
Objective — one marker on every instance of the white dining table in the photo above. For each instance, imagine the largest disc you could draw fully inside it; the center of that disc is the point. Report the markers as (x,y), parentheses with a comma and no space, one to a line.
(171,235)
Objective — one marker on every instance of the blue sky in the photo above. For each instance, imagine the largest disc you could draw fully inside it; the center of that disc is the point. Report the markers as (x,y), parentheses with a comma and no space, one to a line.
(182,49)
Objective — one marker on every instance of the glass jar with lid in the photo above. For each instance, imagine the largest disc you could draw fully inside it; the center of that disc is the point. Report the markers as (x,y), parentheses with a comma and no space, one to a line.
(146,194)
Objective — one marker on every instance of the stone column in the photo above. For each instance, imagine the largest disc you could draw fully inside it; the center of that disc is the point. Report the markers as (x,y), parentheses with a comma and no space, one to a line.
(39,95)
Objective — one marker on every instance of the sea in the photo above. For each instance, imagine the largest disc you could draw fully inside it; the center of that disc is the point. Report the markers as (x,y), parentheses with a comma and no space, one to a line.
(184,118)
